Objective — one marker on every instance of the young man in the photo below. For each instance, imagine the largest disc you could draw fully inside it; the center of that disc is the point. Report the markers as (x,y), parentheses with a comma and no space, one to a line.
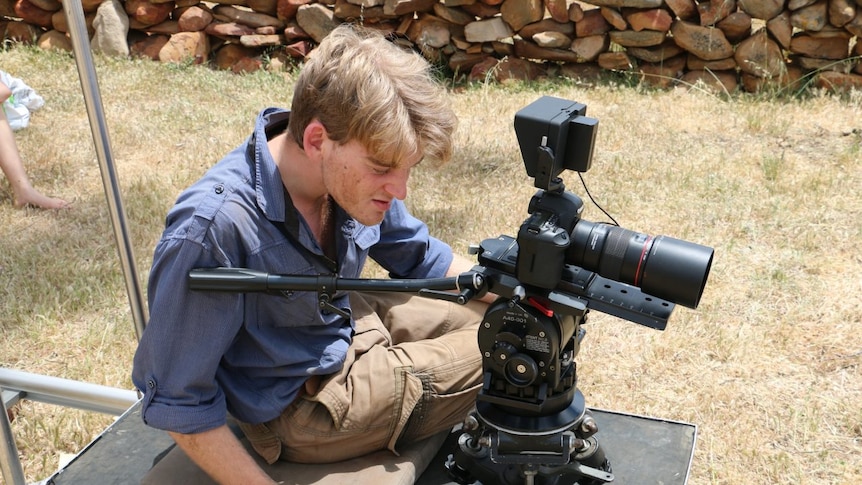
(315,190)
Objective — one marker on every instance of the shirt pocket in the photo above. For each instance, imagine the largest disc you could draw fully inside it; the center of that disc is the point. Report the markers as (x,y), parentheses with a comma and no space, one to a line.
(291,308)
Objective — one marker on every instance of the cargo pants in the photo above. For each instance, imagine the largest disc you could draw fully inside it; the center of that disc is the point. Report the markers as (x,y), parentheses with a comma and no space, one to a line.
(412,371)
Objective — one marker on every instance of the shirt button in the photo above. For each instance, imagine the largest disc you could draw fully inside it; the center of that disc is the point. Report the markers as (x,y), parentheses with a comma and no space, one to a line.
(151,384)
(218,188)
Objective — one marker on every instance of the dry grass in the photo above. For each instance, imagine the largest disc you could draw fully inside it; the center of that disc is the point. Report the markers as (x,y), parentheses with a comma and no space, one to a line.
(768,367)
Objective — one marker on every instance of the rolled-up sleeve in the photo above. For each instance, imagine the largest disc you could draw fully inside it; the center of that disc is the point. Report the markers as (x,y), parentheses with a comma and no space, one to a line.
(188,332)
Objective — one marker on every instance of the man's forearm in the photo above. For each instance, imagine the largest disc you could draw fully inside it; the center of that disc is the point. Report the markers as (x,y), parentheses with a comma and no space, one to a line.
(221,455)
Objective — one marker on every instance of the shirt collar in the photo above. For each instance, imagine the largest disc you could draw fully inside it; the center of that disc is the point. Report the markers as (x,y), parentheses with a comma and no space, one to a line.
(269,188)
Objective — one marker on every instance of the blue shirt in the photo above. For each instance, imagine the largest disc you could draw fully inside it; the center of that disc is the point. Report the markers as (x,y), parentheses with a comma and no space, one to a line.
(202,353)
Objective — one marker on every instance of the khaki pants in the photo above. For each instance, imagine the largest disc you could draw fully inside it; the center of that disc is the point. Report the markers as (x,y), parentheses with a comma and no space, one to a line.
(412,371)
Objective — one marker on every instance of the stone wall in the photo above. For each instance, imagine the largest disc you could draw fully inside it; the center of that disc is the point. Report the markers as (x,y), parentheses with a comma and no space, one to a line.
(727,44)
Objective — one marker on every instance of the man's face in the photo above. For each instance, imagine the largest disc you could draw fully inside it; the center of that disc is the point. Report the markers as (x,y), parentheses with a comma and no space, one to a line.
(361,185)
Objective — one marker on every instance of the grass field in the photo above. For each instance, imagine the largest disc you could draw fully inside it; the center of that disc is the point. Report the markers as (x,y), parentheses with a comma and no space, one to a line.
(769,367)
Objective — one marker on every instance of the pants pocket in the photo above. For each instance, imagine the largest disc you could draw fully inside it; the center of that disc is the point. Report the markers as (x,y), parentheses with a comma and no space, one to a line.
(263,440)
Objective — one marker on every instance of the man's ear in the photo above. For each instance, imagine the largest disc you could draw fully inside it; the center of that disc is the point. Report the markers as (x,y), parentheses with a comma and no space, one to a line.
(313,138)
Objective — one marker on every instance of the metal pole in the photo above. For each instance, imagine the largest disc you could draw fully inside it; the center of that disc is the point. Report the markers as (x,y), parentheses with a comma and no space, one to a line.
(10,464)
(65,392)
(84,59)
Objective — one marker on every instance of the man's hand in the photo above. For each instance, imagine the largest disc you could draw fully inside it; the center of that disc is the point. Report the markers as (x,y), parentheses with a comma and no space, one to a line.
(459,265)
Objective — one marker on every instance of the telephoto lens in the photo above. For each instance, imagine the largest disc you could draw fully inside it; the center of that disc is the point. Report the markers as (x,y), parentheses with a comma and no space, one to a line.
(661,266)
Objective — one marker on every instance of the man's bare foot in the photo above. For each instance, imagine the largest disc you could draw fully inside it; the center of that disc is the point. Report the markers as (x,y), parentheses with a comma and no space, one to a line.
(34,198)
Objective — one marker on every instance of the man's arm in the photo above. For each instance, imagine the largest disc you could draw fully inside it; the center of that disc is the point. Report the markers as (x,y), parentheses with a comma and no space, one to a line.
(221,455)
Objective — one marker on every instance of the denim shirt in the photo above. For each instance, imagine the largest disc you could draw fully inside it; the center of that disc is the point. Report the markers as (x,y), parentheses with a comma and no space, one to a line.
(204,354)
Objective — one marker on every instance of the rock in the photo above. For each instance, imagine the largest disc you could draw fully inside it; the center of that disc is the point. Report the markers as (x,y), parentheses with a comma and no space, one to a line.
(551,39)
(838,82)
(780,28)
(614,18)
(487,30)
(111,26)
(557,9)
(529,50)
(705,42)
(31,14)
(429,31)
(452,15)
(588,49)
(182,47)
(797,4)
(147,13)
(834,48)
(720,82)
(615,61)
(48,5)
(261,40)
(855,25)
(658,53)
(736,26)
(23,32)
(547,25)
(627,3)
(401,7)
(683,9)
(518,13)
(841,12)
(194,19)
(592,23)
(654,19)
(228,29)
(252,19)
(286,9)
(59,22)
(762,9)
(662,74)
(514,69)
(587,71)
(149,46)
(714,11)
(811,17)
(229,55)
(55,40)
(576,12)
(759,55)
(317,20)
(644,38)
(694,63)
(461,61)
(788,80)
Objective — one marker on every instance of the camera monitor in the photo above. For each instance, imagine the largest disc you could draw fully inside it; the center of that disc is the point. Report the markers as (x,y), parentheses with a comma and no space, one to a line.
(555,135)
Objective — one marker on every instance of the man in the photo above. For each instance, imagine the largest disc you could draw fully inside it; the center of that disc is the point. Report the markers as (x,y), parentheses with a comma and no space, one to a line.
(315,190)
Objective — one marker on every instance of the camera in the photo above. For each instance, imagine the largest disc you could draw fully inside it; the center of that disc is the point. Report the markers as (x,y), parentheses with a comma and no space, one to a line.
(531,419)
(555,135)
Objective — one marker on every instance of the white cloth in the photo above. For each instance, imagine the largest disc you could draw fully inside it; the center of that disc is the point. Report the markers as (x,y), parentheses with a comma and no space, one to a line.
(24,99)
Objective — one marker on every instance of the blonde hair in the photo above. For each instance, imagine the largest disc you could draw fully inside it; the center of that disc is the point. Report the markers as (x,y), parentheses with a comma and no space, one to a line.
(362,87)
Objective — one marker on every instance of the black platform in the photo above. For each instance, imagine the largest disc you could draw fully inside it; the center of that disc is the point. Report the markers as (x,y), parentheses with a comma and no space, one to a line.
(641,450)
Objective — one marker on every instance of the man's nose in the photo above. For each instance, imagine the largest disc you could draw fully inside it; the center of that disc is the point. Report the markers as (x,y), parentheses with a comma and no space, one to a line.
(396,184)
